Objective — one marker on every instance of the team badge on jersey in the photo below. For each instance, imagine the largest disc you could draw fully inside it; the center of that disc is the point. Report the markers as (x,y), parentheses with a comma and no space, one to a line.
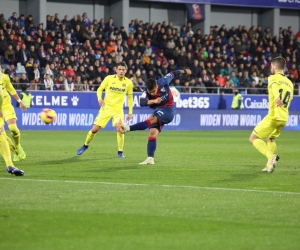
(163,90)
(124,85)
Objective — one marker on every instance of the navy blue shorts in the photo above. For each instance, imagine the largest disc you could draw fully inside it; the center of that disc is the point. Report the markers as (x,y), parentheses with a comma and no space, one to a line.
(164,116)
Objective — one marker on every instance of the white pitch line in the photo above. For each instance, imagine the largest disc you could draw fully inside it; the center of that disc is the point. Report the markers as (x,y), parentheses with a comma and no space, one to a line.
(154,185)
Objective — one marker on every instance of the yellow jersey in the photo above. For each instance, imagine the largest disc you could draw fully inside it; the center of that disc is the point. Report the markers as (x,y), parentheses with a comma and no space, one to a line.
(6,86)
(115,92)
(280,86)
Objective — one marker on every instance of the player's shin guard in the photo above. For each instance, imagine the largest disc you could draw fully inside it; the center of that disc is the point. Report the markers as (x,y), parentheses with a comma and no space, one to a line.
(141,125)
(15,133)
(90,136)
(151,147)
(5,152)
(272,146)
(261,146)
(120,139)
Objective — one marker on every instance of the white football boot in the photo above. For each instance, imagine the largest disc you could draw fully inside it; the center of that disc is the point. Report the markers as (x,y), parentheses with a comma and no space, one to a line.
(125,128)
(272,163)
(148,161)
(122,127)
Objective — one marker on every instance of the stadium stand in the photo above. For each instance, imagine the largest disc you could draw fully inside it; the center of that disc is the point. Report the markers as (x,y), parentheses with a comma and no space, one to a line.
(77,54)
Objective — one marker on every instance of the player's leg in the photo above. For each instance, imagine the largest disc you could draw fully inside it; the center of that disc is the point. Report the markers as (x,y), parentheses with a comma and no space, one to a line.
(89,137)
(10,143)
(160,116)
(271,144)
(151,146)
(124,128)
(10,117)
(16,136)
(100,122)
(5,152)
(117,120)
(262,130)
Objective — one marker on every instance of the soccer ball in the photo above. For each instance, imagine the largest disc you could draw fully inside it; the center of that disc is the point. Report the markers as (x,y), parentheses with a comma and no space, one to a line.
(48,116)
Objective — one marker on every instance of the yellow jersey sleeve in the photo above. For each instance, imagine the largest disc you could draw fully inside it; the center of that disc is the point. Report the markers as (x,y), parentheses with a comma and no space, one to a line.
(9,87)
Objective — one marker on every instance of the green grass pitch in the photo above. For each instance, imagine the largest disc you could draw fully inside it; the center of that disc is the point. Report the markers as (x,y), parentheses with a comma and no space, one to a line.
(206,191)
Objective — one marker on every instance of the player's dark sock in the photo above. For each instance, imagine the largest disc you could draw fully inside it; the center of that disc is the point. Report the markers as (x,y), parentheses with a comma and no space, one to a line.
(120,152)
(141,125)
(151,146)
(86,146)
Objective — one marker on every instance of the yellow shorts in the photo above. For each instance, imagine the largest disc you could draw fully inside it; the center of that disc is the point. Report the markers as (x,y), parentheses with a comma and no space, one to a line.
(8,112)
(105,114)
(269,128)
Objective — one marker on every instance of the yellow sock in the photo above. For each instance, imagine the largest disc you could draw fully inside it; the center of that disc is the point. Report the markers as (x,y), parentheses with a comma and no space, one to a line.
(272,146)
(15,133)
(261,146)
(90,136)
(120,139)
(9,141)
(5,152)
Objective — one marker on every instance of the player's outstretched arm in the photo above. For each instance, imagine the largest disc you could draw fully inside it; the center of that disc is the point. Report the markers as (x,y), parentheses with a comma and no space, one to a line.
(169,77)
(19,100)
(182,71)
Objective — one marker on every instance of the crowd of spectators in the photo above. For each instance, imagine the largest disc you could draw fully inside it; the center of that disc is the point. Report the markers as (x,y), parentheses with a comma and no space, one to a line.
(78,53)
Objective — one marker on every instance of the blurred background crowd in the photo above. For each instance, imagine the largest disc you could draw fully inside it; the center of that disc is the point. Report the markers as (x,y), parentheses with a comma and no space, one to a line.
(76,54)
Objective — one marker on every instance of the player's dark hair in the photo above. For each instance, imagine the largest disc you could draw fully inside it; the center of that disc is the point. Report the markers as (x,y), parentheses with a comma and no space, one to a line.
(150,84)
(123,64)
(279,62)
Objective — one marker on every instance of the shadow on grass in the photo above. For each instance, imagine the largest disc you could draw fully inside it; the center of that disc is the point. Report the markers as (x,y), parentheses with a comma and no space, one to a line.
(73,159)
(112,169)
(241,177)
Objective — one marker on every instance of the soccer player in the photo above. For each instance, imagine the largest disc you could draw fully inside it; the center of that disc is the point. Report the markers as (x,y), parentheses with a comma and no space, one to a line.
(4,147)
(116,87)
(158,97)
(280,90)
(10,117)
